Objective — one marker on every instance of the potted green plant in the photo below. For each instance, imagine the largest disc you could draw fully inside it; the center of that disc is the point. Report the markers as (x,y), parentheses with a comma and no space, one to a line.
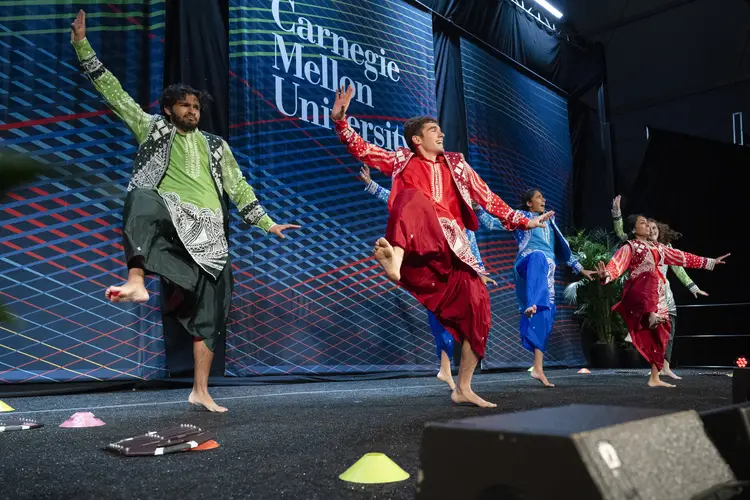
(594,301)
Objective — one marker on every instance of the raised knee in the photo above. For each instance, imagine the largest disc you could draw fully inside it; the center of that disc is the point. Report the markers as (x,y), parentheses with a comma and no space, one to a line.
(537,259)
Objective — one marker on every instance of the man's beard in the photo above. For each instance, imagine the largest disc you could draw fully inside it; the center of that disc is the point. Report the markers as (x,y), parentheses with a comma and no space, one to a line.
(184,124)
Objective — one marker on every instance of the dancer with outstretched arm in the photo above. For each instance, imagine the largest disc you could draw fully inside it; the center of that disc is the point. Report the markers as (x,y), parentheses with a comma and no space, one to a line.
(662,233)
(175,215)
(443,338)
(539,252)
(425,249)
(643,306)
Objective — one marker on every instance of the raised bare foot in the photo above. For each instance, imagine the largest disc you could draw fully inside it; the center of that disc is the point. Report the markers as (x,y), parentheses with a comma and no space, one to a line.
(541,377)
(468,396)
(658,383)
(530,311)
(205,401)
(447,378)
(666,372)
(384,255)
(132,291)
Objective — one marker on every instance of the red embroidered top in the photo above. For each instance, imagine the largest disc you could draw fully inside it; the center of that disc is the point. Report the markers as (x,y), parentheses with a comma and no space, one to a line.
(641,257)
(450,183)
(435,181)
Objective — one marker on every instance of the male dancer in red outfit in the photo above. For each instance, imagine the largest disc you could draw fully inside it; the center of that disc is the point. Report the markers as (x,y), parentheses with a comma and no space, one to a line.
(425,248)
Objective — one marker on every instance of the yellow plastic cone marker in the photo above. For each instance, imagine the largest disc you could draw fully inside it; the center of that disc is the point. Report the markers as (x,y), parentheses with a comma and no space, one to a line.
(4,407)
(584,370)
(374,468)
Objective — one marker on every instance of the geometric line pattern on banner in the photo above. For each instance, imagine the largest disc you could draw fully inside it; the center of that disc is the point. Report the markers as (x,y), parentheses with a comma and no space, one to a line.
(61,236)
(519,138)
(317,302)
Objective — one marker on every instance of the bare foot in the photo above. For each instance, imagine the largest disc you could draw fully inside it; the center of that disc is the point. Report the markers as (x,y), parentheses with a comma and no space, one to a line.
(462,397)
(384,255)
(658,383)
(530,311)
(206,402)
(666,372)
(447,378)
(132,291)
(541,377)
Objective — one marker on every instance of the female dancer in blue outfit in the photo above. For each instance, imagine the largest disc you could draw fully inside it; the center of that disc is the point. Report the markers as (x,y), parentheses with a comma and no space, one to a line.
(539,251)
(443,338)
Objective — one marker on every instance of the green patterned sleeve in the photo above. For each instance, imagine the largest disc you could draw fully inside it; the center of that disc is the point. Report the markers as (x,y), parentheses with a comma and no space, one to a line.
(241,193)
(617,219)
(682,275)
(109,87)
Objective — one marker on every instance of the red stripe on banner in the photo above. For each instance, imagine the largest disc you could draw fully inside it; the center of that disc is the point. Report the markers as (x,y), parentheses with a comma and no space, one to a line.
(53,119)
(75,225)
(83,358)
(14,213)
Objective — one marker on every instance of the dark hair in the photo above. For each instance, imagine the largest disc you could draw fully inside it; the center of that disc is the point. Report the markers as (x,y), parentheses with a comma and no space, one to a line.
(526,197)
(414,126)
(177,92)
(666,234)
(630,227)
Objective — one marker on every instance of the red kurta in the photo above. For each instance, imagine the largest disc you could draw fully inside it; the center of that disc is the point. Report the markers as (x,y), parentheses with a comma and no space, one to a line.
(643,292)
(432,181)
(433,178)
(430,205)
(438,279)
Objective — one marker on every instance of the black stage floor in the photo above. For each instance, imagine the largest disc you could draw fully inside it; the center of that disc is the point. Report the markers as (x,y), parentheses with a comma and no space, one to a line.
(282,441)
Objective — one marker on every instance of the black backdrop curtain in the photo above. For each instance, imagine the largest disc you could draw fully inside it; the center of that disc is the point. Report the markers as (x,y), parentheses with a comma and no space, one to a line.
(548,58)
(197,54)
(687,181)
(449,85)
(593,181)
(505,27)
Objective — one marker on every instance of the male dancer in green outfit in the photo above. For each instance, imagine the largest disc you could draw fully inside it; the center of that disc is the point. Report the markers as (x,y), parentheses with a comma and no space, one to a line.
(175,218)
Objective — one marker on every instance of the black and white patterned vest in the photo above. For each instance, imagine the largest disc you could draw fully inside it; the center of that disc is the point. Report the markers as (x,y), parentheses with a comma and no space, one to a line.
(152,159)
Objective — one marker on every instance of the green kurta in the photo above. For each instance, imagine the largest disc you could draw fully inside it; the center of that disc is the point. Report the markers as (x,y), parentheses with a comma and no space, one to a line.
(187,188)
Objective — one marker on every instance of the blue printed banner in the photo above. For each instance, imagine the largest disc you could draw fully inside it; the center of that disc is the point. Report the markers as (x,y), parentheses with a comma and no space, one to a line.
(519,139)
(316,302)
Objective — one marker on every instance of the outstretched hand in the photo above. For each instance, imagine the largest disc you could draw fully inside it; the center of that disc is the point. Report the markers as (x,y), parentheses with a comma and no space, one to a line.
(589,274)
(341,104)
(616,203)
(78,27)
(364,174)
(487,280)
(540,221)
(699,292)
(720,260)
(278,229)
(601,270)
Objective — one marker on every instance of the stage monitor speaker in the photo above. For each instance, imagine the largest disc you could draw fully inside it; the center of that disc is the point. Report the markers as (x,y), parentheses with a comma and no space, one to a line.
(729,429)
(578,451)
(740,385)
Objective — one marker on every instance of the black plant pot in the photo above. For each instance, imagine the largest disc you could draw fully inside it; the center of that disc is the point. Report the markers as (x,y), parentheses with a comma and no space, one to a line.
(604,355)
(631,358)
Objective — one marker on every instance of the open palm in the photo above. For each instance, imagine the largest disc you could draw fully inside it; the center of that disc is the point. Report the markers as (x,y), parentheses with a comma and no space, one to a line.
(78,27)
(341,104)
